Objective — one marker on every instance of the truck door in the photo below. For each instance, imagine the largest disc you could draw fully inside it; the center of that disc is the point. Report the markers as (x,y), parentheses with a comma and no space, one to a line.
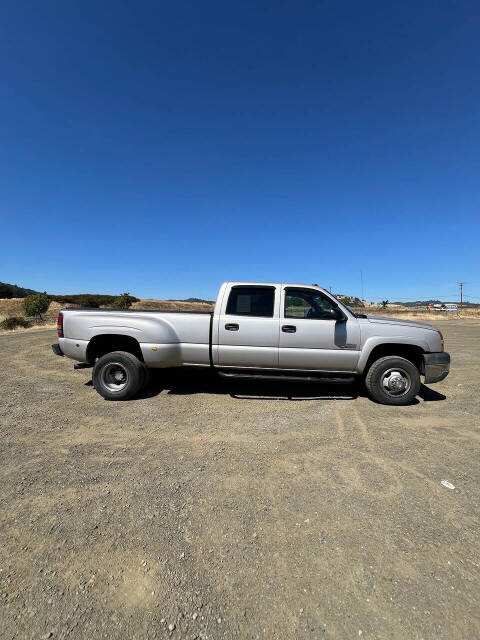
(248,329)
(310,339)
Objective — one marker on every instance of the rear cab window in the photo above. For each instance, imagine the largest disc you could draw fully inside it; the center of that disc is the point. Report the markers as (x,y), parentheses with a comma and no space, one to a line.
(251,301)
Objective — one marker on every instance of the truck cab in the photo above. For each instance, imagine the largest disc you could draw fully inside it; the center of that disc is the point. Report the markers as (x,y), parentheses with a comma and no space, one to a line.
(278,326)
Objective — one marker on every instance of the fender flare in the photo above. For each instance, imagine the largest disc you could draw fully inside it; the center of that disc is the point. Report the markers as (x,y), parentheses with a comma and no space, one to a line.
(374,342)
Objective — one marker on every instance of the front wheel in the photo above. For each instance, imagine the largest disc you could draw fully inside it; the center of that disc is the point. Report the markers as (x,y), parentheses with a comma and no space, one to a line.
(118,375)
(393,380)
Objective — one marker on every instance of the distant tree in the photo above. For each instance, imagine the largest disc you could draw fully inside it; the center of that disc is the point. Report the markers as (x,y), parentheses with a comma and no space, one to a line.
(198,300)
(124,301)
(36,305)
(384,304)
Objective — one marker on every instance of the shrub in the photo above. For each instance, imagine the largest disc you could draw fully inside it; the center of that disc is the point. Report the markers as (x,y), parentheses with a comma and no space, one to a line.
(124,301)
(13,323)
(88,300)
(36,305)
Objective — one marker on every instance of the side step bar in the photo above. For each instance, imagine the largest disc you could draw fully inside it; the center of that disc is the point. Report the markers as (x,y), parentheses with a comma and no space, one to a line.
(82,365)
(285,378)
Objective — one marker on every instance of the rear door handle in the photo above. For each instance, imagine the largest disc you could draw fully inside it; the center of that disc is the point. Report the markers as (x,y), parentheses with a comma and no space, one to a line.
(232,327)
(289,328)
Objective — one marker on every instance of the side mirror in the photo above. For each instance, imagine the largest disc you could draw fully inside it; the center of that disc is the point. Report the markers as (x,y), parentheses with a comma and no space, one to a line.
(338,315)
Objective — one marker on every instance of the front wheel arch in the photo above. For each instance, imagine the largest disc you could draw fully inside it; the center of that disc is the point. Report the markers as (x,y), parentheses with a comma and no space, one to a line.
(410,352)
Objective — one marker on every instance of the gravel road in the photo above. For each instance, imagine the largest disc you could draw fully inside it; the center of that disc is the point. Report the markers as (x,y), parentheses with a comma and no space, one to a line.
(216,510)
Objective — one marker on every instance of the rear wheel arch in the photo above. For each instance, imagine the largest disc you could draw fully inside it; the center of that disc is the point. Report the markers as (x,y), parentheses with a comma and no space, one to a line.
(105,343)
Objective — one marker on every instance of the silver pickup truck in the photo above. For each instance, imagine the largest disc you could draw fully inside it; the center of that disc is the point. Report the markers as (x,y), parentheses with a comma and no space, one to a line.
(257,331)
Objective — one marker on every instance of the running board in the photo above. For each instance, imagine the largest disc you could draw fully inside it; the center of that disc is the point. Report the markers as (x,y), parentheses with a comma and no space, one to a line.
(82,365)
(283,378)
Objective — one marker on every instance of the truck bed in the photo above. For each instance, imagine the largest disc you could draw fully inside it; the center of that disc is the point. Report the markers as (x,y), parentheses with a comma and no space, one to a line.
(166,338)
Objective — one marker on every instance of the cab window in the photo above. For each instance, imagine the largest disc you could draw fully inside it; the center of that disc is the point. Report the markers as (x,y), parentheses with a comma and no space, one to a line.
(251,301)
(301,303)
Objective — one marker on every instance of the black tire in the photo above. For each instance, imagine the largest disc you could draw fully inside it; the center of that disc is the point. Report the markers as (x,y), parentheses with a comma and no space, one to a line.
(386,387)
(118,375)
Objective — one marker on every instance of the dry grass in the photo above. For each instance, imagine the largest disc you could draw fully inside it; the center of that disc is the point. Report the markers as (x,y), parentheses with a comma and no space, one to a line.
(10,307)
(13,307)
(33,328)
(171,305)
(421,314)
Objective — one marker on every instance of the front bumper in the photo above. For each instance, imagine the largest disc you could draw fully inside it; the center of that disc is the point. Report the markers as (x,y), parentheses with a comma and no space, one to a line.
(436,366)
(57,350)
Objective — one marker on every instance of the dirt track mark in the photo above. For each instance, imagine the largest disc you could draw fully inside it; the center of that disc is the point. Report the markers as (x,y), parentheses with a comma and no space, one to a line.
(340,425)
(363,430)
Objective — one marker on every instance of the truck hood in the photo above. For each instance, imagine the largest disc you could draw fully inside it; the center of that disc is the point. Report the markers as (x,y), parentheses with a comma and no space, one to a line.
(388,320)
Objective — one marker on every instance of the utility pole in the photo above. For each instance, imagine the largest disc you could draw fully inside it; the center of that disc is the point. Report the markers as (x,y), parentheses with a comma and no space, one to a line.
(361,279)
(461,295)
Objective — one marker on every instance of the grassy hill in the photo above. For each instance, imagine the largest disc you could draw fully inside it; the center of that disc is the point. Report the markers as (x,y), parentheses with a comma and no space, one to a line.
(14,291)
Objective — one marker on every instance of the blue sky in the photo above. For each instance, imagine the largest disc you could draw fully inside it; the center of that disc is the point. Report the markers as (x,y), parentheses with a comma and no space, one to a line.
(161,148)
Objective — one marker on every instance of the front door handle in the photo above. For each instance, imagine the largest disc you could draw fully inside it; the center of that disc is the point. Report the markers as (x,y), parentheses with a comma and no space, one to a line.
(289,328)
(232,327)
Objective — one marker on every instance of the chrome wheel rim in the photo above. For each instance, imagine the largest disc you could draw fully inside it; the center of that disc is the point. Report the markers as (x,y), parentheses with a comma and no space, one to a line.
(396,382)
(114,376)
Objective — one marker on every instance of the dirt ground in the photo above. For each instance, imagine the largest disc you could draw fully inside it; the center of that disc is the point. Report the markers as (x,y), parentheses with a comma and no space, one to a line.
(212,510)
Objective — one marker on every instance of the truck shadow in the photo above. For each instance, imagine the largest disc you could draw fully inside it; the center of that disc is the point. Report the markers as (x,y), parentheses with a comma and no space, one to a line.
(186,382)
(189,382)
(183,383)
(429,395)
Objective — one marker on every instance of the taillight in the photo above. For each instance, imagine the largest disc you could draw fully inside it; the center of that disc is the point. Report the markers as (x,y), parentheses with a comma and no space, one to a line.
(60,325)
